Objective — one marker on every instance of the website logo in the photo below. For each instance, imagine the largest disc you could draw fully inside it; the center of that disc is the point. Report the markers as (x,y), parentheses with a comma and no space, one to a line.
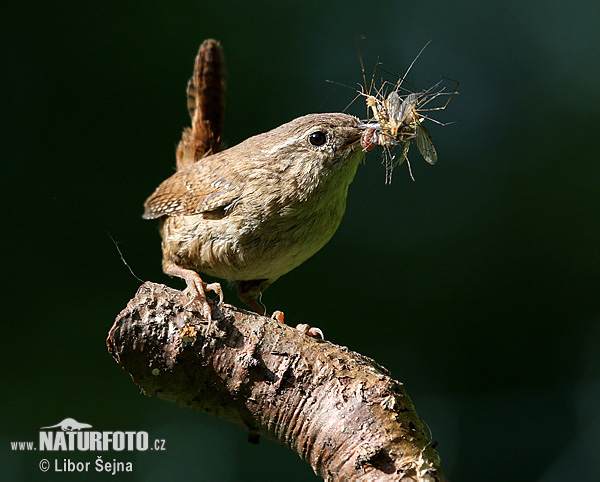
(69,435)
(69,424)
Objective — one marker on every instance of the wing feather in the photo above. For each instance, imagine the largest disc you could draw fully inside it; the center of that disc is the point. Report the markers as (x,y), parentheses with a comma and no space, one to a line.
(200,188)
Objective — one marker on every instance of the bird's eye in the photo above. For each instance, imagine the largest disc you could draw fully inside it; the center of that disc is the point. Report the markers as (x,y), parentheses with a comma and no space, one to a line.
(317,138)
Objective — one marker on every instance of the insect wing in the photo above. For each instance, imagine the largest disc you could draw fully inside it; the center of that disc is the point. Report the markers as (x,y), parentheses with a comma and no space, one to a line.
(401,109)
(425,145)
(394,105)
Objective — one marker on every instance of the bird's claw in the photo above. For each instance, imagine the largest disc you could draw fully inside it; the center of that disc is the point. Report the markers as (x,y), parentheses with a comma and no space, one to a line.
(310,330)
(302,327)
(197,289)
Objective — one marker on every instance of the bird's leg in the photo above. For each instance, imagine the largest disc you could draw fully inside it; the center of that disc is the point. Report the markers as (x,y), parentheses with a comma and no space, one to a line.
(249,291)
(195,287)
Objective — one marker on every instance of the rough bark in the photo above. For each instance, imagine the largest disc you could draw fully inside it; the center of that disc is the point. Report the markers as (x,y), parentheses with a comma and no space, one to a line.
(338,410)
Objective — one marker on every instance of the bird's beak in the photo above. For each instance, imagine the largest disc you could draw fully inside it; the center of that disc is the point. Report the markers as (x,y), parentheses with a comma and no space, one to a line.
(354,138)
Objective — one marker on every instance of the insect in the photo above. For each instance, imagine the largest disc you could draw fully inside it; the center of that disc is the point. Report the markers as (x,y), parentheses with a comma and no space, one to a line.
(398,118)
(398,122)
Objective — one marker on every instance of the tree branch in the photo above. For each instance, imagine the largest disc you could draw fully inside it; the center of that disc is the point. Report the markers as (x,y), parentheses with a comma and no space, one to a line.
(337,409)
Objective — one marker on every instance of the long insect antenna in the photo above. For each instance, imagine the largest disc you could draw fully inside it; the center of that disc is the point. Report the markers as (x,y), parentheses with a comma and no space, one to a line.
(362,66)
(374,73)
(435,121)
(431,91)
(380,91)
(340,84)
(443,92)
(453,93)
(443,107)
(411,64)
(426,97)
(430,94)
(454,81)
(398,112)
(360,59)
(347,87)
(352,102)
(396,85)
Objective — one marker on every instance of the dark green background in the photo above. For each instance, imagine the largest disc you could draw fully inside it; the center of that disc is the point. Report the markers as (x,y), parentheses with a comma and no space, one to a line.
(476,285)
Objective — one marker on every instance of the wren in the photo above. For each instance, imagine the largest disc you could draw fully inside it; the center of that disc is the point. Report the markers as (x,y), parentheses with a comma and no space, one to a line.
(254,212)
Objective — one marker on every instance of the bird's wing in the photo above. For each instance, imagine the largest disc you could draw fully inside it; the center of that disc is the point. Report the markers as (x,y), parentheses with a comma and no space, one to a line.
(201,188)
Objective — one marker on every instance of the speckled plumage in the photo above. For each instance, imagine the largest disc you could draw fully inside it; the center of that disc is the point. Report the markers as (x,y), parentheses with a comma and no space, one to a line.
(255,211)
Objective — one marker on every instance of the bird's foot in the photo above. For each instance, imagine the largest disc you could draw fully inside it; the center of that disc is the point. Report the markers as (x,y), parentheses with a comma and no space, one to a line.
(196,289)
(302,327)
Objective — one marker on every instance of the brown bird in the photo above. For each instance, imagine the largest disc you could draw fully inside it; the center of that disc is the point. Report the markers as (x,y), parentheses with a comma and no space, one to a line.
(253,212)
